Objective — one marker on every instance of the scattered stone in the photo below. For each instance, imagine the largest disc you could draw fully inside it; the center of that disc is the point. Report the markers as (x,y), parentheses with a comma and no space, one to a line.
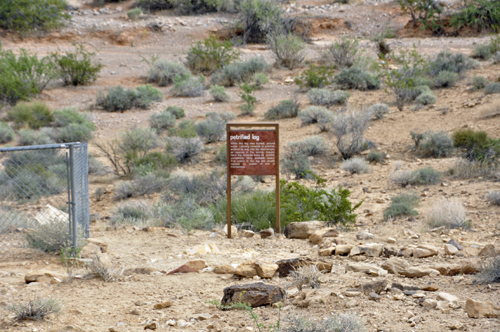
(430,288)
(450,249)
(246,233)
(391,240)
(455,244)
(443,306)
(265,233)
(478,309)
(365,268)
(191,266)
(303,229)
(389,252)
(316,237)
(429,303)
(135,312)
(331,232)
(351,293)
(343,249)
(466,267)
(425,251)
(447,297)
(234,231)
(375,287)
(43,276)
(255,295)
(418,272)
(374,296)
(364,235)
(456,325)
(139,270)
(265,270)
(225,269)
(203,249)
(327,251)
(488,251)
(163,305)
(246,269)
(406,251)
(151,326)
(89,250)
(395,265)
(286,266)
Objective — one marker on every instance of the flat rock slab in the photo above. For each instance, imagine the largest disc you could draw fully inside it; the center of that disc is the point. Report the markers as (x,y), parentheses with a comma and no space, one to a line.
(302,229)
(481,309)
(286,266)
(191,266)
(255,295)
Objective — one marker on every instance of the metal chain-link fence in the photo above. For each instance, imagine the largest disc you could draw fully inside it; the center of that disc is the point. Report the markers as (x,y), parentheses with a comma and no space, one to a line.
(44,200)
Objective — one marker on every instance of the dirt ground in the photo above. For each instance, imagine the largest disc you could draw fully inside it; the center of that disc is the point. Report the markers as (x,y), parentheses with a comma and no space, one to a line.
(127,305)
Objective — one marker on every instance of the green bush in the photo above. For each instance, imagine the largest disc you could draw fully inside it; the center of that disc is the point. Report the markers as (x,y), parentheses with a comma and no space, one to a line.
(219,93)
(152,162)
(154,5)
(425,12)
(479,83)
(480,14)
(240,72)
(177,111)
(296,163)
(486,51)
(211,55)
(221,156)
(319,115)
(376,157)
(314,77)
(52,236)
(247,96)
(185,129)
(135,212)
(492,88)
(67,116)
(477,146)
(6,133)
(73,133)
(259,80)
(258,18)
(120,99)
(186,214)
(186,150)
(24,16)
(162,121)
(325,97)
(287,49)
(426,99)
(211,130)
(77,68)
(137,142)
(435,145)
(402,205)
(163,72)
(309,146)
(426,175)
(355,78)
(32,137)
(146,95)
(378,110)
(33,115)
(134,14)
(457,63)
(36,309)
(341,54)
(196,7)
(189,86)
(285,109)
(445,79)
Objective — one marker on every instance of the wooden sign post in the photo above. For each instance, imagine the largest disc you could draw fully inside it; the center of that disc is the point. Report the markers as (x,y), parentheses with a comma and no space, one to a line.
(253,151)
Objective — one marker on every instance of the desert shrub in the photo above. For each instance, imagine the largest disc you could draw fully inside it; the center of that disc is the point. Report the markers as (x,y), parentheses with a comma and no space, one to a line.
(335,323)
(285,109)
(185,149)
(36,309)
(221,156)
(52,236)
(77,68)
(136,143)
(402,205)
(378,110)
(356,78)
(426,99)
(306,275)
(24,16)
(221,117)
(162,121)
(96,167)
(185,129)
(32,137)
(33,115)
(446,61)
(480,14)
(148,183)
(72,133)
(426,175)
(492,88)
(325,97)
(309,146)
(348,130)
(376,157)
(341,54)
(314,77)
(296,163)
(435,145)
(403,178)
(449,213)
(120,99)
(134,14)
(177,111)
(257,18)
(186,214)
(204,188)
(210,55)
(476,145)
(239,72)
(287,49)
(259,80)
(247,96)
(485,51)
(6,133)
(154,5)
(467,169)
(219,93)
(490,271)
(146,95)
(163,72)
(319,115)
(67,116)
(133,212)
(153,162)
(479,83)
(123,190)
(493,197)
(189,86)
(211,130)
(355,166)
(106,272)
(445,79)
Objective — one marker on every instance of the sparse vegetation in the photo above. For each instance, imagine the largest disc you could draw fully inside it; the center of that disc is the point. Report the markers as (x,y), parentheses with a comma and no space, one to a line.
(247,96)
(35,309)
(219,93)
(309,146)
(52,236)
(185,149)
(296,163)
(433,144)
(178,112)
(6,133)
(479,83)
(319,115)
(189,86)
(356,78)
(490,271)
(426,99)
(306,275)
(376,157)
(426,175)
(341,54)
(378,110)
(402,205)
(285,109)
(314,77)
(288,49)
(335,323)
(134,14)
(240,72)
(403,178)
(325,97)
(479,14)
(120,99)
(449,213)
(31,137)
(98,269)
(492,88)
(493,197)
(163,72)
(78,67)
(348,130)
(212,129)
(356,166)
(162,121)
(33,115)
(210,55)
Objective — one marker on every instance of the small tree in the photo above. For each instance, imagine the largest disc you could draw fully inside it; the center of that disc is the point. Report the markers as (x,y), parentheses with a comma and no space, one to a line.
(427,12)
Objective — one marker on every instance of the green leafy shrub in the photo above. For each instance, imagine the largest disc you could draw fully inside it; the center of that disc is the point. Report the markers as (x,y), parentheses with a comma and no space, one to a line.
(348,130)
(211,130)
(24,76)
(247,96)
(219,93)
(163,72)
(240,72)
(185,129)
(142,185)
(120,99)
(33,115)
(341,54)
(189,86)
(480,14)
(36,309)
(402,205)
(146,95)
(153,162)
(314,77)
(32,137)
(78,68)
(137,142)
(309,146)
(134,14)
(186,214)
(486,51)
(426,175)
(426,99)
(196,7)
(6,133)
(52,236)
(457,63)
(135,212)
(325,97)
(445,79)
(24,16)
(211,55)
(355,166)
(177,111)
(73,133)
(162,121)
(259,80)
(479,83)
(433,144)
(378,110)
(154,5)
(425,12)
(476,145)
(285,109)
(492,88)
(258,18)
(376,157)
(296,163)
(356,78)
(287,49)
(185,149)
(319,115)
(67,116)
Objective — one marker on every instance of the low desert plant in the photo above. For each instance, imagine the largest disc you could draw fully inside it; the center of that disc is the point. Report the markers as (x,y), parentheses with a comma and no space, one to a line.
(325,97)
(35,309)
(285,109)
(445,79)
(185,149)
(120,99)
(479,83)
(403,178)
(335,323)
(434,144)
(162,121)
(341,54)
(106,273)
(188,86)
(33,115)
(219,93)
(177,111)
(314,77)
(467,169)
(133,212)
(446,61)
(356,166)
(211,130)
(210,55)
(426,99)
(288,49)
(376,157)
(448,213)
(296,163)
(240,72)
(247,96)
(490,271)
(32,137)
(134,14)
(479,14)
(163,72)
(221,156)
(492,88)
(72,133)
(426,175)
(356,78)
(123,190)
(378,110)
(476,145)
(137,142)
(186,214)
(306,275)
(493,197)
(317,115)
(348,130)
(53,235)
(309,146)
(6,133)
(153,162)
(259,80)
(402,205)
(78,67)
(185,129)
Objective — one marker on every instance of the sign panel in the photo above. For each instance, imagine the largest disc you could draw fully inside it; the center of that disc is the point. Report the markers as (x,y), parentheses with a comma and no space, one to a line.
(252,152)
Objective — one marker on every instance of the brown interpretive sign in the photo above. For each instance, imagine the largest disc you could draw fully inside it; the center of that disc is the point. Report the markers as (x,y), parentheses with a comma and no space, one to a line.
(253,151)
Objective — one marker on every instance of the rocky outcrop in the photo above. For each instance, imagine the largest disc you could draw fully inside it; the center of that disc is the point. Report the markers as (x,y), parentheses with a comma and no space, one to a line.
(255,295)
(302,229)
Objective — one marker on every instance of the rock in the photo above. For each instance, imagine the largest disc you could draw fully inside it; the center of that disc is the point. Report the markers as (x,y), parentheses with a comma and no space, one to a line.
(44,276)
(455,244)
(286,266)
(418,272)
(430,288)
(331,232)
(182,323)
(374,287)
(255,295)
(266,270)
(163,305)
(203,249)
(456,325)
(488,251)
(374,296)
(343,249)
(327,251)
(246,269)
(234,231)
(406,251)
(135,312)
(447,297)
(450,249)
(100,243)
(265,233)
(246,233)
(302,229)
(90,250)
(139,270)
(371,250)
(225,269)
(125,38)
(443,306)
(429,303)
(191,266)
(364,235)
(395,265)
(316,237)
(388,252)
(391,240)
(425,251)
(466,267)
(365,268)
(478,309)
(151,326)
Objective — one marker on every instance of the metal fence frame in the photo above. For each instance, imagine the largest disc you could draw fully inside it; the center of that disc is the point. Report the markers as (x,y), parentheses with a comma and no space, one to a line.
(76,159)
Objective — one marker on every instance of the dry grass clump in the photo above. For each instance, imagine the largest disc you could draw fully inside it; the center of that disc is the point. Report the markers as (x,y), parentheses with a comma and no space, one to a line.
(306,275)
(356,166)
(465,169)
(493,197)
(449,213)
(98,269)
(35,309)
(490,271)
(336,323)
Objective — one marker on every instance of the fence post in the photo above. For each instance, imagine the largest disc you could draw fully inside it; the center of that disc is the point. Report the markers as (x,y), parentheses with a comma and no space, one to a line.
(73,216)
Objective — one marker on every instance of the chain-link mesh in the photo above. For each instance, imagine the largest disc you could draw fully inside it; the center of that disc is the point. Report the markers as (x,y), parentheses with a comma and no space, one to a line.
(38,208)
